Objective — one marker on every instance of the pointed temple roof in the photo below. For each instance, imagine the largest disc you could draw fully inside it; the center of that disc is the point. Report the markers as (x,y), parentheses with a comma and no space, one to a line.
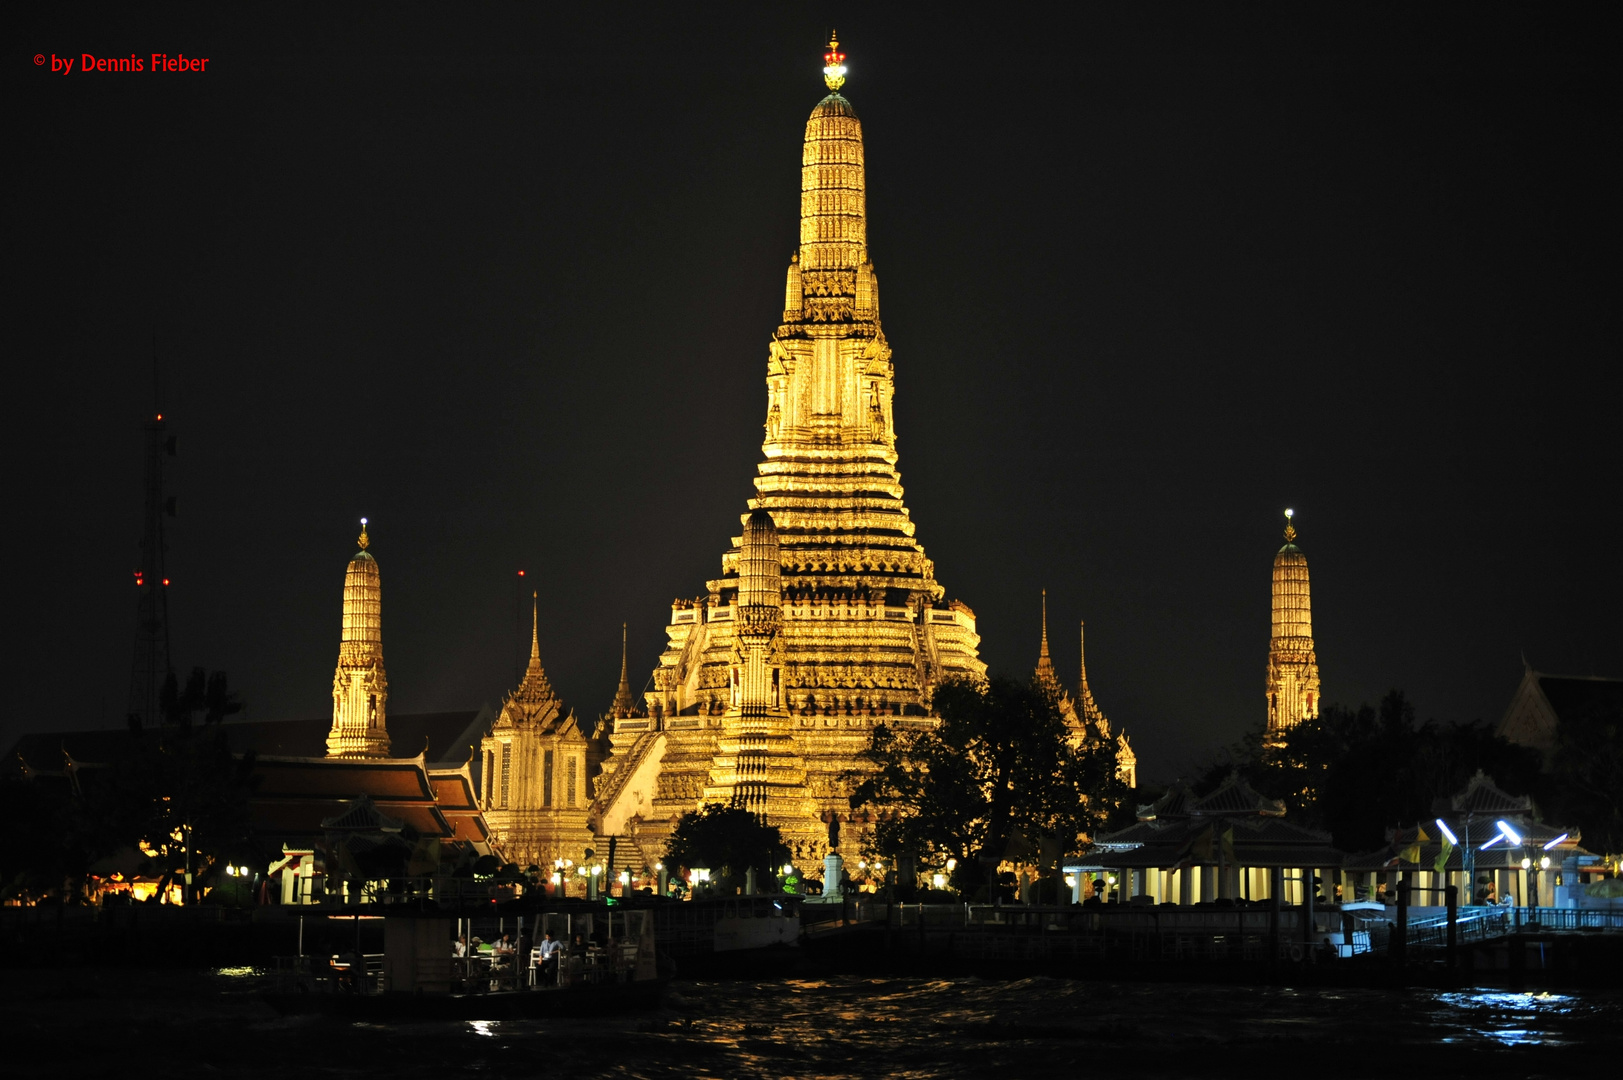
(534,702)
(1045,663)
(1088,707)
(625,702)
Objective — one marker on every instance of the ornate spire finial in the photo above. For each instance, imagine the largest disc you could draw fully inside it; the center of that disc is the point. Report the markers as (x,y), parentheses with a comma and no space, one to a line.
(834,64)
(1290,530)
(1045,624)
(535,630)
(364,541)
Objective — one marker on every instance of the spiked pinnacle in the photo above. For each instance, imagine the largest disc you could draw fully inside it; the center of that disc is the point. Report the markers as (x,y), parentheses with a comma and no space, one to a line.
(1045,663)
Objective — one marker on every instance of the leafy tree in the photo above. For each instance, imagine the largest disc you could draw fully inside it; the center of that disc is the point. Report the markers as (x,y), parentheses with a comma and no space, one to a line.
(179,793)
(999,772)
(1587,777)
(1358,772)
(727,840)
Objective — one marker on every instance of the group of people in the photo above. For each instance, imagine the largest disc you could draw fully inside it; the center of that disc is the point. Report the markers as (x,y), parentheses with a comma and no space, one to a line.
(505,955)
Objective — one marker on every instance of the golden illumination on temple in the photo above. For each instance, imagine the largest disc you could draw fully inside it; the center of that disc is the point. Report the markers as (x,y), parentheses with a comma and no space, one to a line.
(774,678)
(1082,714)
(1293,669)
(535,769)
(360,690)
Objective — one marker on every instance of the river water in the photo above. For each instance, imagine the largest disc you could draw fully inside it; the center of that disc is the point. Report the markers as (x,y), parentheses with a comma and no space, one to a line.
(820,1029)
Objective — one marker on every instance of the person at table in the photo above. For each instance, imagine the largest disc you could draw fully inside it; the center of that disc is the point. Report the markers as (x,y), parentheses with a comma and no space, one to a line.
(551,949)
(459,948)
(502,953)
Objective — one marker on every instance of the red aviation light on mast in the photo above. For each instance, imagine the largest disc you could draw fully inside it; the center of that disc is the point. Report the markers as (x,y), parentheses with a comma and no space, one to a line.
(834,64)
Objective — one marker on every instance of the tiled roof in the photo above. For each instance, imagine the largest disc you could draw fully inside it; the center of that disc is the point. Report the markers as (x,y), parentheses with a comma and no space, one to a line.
(1482,796)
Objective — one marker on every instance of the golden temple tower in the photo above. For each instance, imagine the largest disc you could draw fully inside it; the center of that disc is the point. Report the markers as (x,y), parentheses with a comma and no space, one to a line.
(360,690)
(535,769)
(1293,669)
(865,630)
(757,765)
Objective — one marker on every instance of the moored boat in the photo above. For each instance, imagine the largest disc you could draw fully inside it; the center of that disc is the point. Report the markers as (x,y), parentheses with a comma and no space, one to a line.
(605,963)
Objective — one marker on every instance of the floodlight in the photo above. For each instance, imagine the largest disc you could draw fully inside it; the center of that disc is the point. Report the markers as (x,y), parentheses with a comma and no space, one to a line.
(1447,832)
(1510,834)
(1554,842)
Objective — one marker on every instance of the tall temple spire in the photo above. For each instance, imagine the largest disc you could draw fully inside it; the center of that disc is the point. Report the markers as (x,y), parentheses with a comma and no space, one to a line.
(1045,663)
(535,688)
(1084,696)
(360,689)
(1293,667)
(863,630)
(625,702)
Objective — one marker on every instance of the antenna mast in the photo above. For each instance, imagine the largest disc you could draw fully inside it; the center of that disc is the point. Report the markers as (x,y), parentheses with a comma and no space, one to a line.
(151,664)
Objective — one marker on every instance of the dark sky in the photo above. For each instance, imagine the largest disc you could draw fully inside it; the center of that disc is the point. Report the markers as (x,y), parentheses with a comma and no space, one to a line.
(502,280)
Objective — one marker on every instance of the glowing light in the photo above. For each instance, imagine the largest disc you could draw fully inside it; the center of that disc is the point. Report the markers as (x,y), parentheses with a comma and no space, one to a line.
(1527,864)
(939,881)
(1290,513)
(160,416)
(952,864)
(1510,834)
(1554,842)
(166,581)
(1544,863)
(363,523)
(1490,843)
(787,869)
(1448,833)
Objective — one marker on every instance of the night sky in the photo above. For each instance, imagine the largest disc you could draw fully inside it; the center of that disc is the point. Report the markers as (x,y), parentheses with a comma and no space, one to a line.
(502,280)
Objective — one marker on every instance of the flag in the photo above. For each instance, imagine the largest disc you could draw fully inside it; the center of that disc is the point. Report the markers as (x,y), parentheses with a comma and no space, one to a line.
(1439,863)
(1411,854)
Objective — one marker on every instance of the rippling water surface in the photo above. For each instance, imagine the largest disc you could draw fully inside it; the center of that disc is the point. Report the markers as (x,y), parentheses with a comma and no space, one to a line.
(899,1029)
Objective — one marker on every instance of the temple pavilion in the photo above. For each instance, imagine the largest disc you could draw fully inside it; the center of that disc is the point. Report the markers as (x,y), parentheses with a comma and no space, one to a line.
(1512,854)
(1232,845)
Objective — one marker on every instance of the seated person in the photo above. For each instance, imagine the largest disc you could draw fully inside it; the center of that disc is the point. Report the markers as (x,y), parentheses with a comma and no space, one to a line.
(547,957)
(503,953)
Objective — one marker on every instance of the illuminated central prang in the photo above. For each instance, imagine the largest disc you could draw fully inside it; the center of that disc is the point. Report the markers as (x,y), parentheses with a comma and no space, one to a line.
(772,683)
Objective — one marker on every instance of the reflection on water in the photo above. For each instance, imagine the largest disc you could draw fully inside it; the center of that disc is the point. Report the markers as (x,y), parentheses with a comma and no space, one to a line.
(896,1029)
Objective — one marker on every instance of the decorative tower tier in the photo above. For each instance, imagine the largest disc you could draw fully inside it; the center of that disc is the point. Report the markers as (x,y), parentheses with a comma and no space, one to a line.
(866,632)
(360,690)
(1293,669)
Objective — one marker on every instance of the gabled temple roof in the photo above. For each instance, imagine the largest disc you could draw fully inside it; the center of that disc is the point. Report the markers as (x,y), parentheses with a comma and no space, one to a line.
(1542,701)
(1233,797)
(1255,841)
(362,815)
(1483,796)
